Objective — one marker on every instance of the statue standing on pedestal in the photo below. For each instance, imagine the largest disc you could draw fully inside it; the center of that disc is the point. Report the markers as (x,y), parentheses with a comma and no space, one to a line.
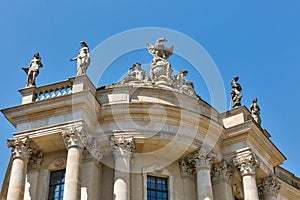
(32,70)
(83,59)
(255,111)
(236,94)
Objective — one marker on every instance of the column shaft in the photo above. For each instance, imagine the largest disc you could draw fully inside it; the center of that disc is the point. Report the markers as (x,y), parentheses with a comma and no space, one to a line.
(204,187)
(17,179)
(73,174)
(250,187)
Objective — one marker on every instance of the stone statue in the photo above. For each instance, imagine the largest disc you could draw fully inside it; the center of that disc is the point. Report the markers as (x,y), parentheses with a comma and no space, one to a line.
(236,94)
(160,68)
(32,70)
(179,78)
(83,59)
(255,111)
(135,74)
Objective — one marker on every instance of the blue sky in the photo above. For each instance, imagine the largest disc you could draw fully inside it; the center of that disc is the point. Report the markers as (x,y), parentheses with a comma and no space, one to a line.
(259,41)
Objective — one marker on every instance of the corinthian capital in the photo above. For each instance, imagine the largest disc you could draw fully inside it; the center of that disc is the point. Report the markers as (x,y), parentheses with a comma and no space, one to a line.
(222,171)
(268,187)
(204,161)
(247,163)
(187,168)
(20,148)
(122,145)
(71,137)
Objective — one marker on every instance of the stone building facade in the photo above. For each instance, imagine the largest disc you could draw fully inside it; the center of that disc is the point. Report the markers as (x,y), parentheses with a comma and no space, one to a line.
(142,138)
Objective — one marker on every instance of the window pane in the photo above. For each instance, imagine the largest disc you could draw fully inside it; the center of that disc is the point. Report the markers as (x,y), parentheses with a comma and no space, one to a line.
(157,188)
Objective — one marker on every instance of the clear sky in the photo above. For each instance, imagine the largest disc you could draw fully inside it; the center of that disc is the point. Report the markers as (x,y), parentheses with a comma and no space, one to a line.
(257,40)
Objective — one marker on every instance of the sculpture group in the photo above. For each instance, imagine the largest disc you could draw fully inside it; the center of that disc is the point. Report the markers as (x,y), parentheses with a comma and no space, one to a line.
(160,74)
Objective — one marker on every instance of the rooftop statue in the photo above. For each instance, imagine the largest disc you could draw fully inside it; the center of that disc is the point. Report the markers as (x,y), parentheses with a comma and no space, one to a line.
(32,70)
(236,94)
(135,74)
(83,59)
(255,111)
(179,78)
(160,68)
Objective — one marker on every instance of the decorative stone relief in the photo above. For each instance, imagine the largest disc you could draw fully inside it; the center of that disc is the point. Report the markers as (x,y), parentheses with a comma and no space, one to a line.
(122,145)
(222,171)
(268,186)
(246,163)
(58,163)
(36,158)
(21,148)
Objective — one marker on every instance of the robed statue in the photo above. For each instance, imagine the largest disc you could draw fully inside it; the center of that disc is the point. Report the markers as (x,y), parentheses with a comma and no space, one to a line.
(32,70)
(255,111)
(236,94)
(83,59)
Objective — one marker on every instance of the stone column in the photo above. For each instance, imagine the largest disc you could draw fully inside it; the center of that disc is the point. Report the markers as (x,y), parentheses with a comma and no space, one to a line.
(247,164)
(222,181)
(269,188)
(72,190)
(21,150)
(203,168)
(123,149)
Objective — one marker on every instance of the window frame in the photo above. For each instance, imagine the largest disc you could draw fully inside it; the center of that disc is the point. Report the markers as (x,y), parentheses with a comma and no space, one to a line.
(159,171)
(156,178)
(60,184)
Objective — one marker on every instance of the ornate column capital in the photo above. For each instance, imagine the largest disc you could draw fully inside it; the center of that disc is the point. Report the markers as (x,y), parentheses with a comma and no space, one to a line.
(187,168)
(21,148)
(36,158)
(122,145)
(71,137)
(246,162)
(222,172)
(268,187)
(204,161)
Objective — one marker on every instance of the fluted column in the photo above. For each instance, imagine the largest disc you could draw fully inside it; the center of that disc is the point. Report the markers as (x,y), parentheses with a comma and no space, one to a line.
(222,181)
(21,151)
(269,188)
(123,149)
(247,164)
(74,161)
(203,168)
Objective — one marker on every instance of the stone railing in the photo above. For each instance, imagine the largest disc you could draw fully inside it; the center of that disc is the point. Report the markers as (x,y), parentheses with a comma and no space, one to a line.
(53,90)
